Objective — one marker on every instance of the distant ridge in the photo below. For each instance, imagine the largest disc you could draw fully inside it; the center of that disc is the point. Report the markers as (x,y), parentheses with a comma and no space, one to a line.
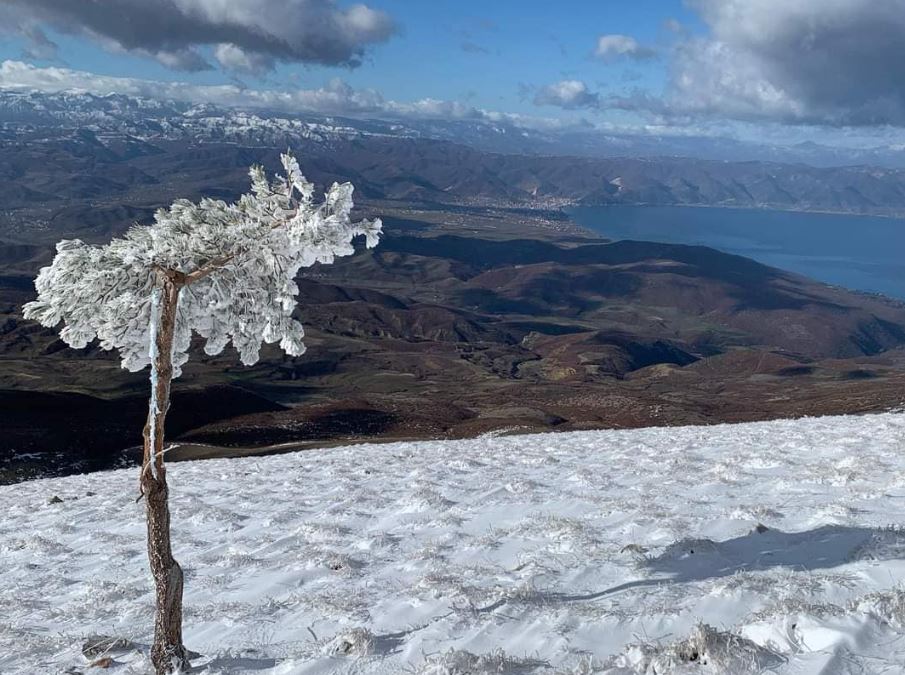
(147,117)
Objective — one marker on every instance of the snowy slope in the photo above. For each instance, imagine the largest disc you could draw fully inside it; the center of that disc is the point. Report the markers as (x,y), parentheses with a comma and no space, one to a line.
(618,552)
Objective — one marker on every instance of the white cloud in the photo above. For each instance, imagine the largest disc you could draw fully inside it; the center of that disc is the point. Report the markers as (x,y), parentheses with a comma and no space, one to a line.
(568,94)
(235,59)
(614,47)
(335,98)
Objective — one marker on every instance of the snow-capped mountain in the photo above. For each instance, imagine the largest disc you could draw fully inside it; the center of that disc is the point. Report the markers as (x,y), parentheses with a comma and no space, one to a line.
(152,119)
(772,547)
(470,162)
(21,111)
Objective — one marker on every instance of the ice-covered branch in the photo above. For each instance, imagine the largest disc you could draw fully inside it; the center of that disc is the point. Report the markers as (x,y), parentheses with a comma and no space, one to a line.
(240,260)
(153,404)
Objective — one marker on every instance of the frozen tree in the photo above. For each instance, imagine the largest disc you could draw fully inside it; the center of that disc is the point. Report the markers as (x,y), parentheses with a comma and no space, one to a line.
(222,271)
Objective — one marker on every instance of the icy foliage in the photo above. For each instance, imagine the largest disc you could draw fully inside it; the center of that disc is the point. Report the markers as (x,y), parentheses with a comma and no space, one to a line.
(461,662)
(706,650)
(354,642)
(888,606)
(239,262)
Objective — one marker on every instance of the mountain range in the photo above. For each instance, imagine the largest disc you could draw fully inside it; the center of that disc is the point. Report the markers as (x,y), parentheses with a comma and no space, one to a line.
(484,309)
(144,117)
(77,147)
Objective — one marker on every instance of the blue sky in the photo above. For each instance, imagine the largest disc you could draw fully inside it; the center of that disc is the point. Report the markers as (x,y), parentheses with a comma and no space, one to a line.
(533,48)
(783,69)
(484,52)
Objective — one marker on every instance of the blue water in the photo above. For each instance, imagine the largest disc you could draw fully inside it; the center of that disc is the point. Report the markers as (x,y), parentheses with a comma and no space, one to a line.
(859,252)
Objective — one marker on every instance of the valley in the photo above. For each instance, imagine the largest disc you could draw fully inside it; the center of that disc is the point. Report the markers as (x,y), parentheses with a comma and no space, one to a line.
(448,331)
(484,310)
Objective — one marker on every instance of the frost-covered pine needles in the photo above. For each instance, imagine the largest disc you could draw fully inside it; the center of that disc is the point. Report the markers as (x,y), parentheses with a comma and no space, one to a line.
(239,262)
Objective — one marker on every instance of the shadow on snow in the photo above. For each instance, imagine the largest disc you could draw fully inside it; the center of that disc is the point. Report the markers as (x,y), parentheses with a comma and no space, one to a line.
(691,560)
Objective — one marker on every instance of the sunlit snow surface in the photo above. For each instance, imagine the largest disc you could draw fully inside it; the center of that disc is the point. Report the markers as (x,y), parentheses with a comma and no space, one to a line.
(557,553)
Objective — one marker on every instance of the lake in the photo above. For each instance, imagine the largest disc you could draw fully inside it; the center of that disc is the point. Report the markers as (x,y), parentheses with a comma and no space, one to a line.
(858,252)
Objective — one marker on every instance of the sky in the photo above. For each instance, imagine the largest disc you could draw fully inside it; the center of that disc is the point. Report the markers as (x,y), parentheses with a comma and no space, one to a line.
(790,70)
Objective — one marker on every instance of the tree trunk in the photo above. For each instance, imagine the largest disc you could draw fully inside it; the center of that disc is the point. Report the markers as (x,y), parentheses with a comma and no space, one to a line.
(168,654)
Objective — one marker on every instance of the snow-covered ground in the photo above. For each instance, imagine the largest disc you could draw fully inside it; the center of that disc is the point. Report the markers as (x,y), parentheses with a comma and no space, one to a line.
(614,552)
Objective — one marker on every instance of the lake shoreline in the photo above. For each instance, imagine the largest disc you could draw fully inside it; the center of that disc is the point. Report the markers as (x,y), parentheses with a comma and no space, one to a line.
(567,210)
(853,251)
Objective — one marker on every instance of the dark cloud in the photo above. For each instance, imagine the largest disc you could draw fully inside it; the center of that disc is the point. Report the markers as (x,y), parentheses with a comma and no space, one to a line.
(800,62)
(833,62)
(39,46)
(246,35)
